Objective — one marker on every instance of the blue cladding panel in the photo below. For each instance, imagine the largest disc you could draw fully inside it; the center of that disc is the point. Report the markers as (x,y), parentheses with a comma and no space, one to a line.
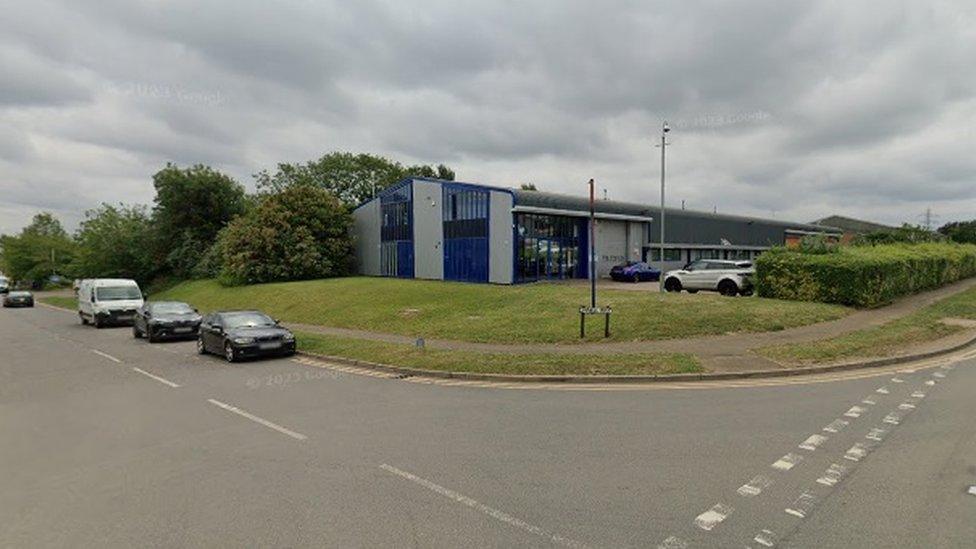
(405,259)
(466,259)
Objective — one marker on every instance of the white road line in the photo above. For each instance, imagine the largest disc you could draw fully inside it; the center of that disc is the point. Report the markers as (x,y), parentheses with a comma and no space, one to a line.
(803,505)
(869,402)
(906,406)
(787,462)
(492,512)
(813,442)
(882,391)
(836,426)
(106,355)
(755,486)
(938,374)
(673,542)
(857,452)
(897,380)
(918,394)
(765,538)
(256,419)
(157,378)
(833,475)
(713,517)
(855,411)
(877,434)
(930,382)
(972,490)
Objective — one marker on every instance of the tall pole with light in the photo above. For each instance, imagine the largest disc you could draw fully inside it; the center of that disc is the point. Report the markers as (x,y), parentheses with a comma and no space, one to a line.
(664,133)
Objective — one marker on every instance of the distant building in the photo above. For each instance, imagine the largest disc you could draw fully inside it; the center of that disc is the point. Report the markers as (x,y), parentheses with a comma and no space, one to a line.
(851,227)
(448,230)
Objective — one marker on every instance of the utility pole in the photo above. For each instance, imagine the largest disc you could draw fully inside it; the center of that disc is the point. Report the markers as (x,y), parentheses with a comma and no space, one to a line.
(664,133)
(592,249)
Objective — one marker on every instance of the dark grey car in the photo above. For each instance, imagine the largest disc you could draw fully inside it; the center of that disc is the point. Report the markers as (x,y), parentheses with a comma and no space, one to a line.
(18,299)
(244,334)
(157,320)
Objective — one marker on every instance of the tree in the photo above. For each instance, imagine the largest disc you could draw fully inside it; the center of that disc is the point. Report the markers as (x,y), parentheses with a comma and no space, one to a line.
(42,248)
(116,242)
(192,205)
(960,231)
(301,232)
(528,187)
(353,178)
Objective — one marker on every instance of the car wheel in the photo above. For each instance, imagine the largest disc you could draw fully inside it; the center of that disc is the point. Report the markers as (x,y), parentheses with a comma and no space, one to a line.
(201,348)
(672,285)
(97,322)
(229,353)
(692,291)
(149,336)
(635,278)
(728,288)
(135,332)
(84,322)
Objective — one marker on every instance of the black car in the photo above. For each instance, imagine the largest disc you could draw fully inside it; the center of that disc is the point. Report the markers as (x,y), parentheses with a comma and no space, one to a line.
(244,334)
(157,320)
(18,299)
(635,271)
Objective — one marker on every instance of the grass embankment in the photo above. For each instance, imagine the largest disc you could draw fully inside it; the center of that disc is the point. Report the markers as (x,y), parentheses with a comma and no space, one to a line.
(886,340)
(545,313)
(65,302)
(499,363)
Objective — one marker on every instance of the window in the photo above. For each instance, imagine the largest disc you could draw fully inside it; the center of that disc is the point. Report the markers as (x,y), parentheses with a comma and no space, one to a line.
(670,254)
(117,293)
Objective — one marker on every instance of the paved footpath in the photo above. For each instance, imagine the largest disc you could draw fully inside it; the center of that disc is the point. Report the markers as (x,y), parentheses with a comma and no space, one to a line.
(114,442)
(718,353)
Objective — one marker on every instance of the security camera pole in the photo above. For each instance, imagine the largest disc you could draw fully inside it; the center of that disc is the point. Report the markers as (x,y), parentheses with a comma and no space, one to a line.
(664,132)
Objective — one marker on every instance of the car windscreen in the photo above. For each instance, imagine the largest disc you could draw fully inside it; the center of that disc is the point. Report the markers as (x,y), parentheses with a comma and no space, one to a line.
(246,320)
(20,294)
(171,308)
(117,293)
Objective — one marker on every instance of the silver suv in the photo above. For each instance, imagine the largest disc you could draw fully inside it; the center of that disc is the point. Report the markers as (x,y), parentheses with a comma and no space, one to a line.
(726,277)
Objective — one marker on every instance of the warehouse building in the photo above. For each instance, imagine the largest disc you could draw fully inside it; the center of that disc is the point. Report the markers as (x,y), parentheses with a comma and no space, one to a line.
(447,230)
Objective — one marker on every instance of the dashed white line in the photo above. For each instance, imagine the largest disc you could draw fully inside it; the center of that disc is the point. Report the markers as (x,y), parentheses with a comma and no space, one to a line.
(857,452)
(765,538)
(972,490)
(813,442)
(836,426)
(918,394)
(833,475)
(256,419)
(787,462)
(490,511)
(713,517)
(897,380)
(906,406)
(938,374)
(157,378)
(855,411)
(892,419)
(876,434)
(106,355)
(755,486)
(930,382)
(673,542)
(869,402)
(802,506)
(882,391)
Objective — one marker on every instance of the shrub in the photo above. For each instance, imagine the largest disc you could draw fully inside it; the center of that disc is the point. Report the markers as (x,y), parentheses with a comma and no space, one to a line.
(862,276)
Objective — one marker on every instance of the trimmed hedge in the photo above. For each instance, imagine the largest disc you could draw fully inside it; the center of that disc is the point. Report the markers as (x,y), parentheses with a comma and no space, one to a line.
(862,276)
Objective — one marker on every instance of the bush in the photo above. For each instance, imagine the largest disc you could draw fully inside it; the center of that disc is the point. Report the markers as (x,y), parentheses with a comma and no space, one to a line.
(862,276)
(299,233)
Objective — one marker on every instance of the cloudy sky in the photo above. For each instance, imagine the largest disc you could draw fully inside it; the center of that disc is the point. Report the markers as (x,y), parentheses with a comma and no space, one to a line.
(794,110)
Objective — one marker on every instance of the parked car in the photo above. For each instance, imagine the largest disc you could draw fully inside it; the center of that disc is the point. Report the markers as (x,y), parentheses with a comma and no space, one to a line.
(244,334)
(4,285)
(104,301)
(726,277)
(18,299)
(635,271)
(157,320)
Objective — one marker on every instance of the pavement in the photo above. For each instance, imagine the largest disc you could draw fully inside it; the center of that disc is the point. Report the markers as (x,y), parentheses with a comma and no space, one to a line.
(114,442)
(717,353)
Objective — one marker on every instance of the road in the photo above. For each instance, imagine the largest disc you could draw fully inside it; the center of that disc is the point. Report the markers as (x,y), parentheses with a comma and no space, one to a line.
(109,441)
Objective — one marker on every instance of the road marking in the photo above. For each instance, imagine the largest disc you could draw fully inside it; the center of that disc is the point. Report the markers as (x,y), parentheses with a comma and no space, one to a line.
(833,475)
(892,418)
(857,452)
(918,394)
(882,391)
(897,380)
(673,542)
(930,382)
(876,434)
(787,462)
(938,374)
(836,426)
(492,512)
(972,490)
(713,517)
(157,378)
(755,486)
(803,505)
(813,442)
(906,406)
(869,402)
(257,419)
(765,538)
(106,355)
(855,411)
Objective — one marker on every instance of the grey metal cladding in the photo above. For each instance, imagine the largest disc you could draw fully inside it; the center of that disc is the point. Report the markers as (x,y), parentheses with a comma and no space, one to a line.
(428,230)
(500,234)
(366,233)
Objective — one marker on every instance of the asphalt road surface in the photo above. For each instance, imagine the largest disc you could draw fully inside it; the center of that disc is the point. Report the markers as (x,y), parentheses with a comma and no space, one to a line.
(107,441)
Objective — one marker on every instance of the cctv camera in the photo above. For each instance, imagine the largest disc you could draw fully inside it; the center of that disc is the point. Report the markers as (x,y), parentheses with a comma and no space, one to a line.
(667,128)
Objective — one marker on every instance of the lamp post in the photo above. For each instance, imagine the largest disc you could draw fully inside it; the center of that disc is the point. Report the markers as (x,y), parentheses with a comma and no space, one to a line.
(664,133)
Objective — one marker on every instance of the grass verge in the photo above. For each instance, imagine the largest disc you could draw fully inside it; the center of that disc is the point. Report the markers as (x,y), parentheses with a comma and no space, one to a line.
(546,313)
(888,339)
(499,363)
(60,301)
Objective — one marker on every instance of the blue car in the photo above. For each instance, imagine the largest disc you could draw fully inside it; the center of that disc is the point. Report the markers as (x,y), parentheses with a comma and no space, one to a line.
(635,271)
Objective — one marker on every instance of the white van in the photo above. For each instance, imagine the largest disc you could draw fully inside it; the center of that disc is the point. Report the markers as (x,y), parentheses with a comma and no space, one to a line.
(103,301)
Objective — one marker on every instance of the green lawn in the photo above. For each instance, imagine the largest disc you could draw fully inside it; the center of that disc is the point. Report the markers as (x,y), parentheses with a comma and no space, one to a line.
(499,363)
(886,340)
(60,301)
(506,314)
